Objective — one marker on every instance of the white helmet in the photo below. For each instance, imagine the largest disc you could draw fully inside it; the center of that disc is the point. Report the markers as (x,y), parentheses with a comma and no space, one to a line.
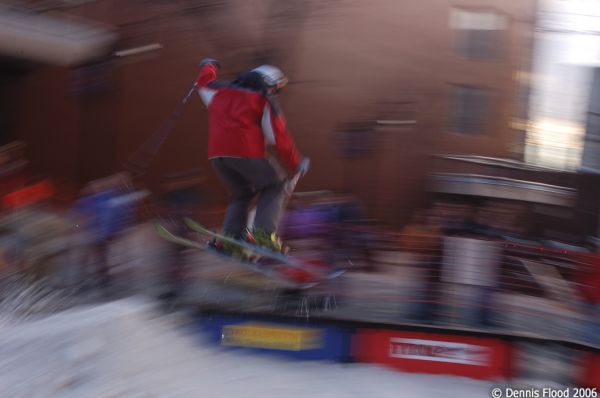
(272,76)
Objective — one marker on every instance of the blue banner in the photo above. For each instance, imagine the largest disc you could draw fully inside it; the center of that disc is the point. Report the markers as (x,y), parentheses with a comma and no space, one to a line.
(299,340)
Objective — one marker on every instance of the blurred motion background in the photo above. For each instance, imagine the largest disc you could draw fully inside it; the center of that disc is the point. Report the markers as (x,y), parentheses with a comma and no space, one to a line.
(455,149)
(368,89)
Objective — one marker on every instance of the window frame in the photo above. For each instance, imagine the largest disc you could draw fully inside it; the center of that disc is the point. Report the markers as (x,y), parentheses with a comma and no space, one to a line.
(488,112)
(499,37)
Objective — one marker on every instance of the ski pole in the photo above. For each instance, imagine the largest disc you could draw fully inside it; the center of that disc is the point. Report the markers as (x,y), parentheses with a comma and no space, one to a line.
(140,161)
(291,185)
(302,169)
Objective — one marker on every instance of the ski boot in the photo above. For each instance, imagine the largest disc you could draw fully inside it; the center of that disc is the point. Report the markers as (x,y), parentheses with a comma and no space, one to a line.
(229,249)
(267,240)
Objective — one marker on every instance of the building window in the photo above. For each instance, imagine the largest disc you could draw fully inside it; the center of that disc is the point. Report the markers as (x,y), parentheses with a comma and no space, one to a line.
(356,142)
(468,109)
(477,33)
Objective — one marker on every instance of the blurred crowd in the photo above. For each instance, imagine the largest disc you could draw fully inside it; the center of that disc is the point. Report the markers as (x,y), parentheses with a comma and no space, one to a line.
(471,264)
(479,264)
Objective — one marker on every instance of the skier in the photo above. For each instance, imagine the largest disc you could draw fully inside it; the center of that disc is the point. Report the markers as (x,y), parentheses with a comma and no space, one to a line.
(244,118)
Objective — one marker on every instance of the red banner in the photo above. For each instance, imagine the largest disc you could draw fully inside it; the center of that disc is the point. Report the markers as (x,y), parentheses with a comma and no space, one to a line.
(475,357)
(591,370)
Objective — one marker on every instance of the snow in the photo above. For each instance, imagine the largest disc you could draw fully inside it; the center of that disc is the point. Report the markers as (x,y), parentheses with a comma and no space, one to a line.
(127,349)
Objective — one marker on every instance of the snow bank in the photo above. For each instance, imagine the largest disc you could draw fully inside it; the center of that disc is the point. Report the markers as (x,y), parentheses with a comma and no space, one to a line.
(125,349)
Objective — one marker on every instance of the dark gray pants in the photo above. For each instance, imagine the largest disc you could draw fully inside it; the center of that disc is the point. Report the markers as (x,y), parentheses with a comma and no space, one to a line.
(245,179)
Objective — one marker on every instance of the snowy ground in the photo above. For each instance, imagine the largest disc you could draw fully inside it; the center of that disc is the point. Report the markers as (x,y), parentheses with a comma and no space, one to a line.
(126,349)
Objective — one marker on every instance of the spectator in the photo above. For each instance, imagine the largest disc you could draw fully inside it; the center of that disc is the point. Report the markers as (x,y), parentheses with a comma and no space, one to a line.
(108,208)
(423,238)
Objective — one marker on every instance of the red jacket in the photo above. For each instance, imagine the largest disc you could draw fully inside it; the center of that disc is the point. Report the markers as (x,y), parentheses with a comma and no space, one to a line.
(243,122)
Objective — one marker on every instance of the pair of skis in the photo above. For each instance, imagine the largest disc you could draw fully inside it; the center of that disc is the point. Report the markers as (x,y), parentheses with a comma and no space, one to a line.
(278,266)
